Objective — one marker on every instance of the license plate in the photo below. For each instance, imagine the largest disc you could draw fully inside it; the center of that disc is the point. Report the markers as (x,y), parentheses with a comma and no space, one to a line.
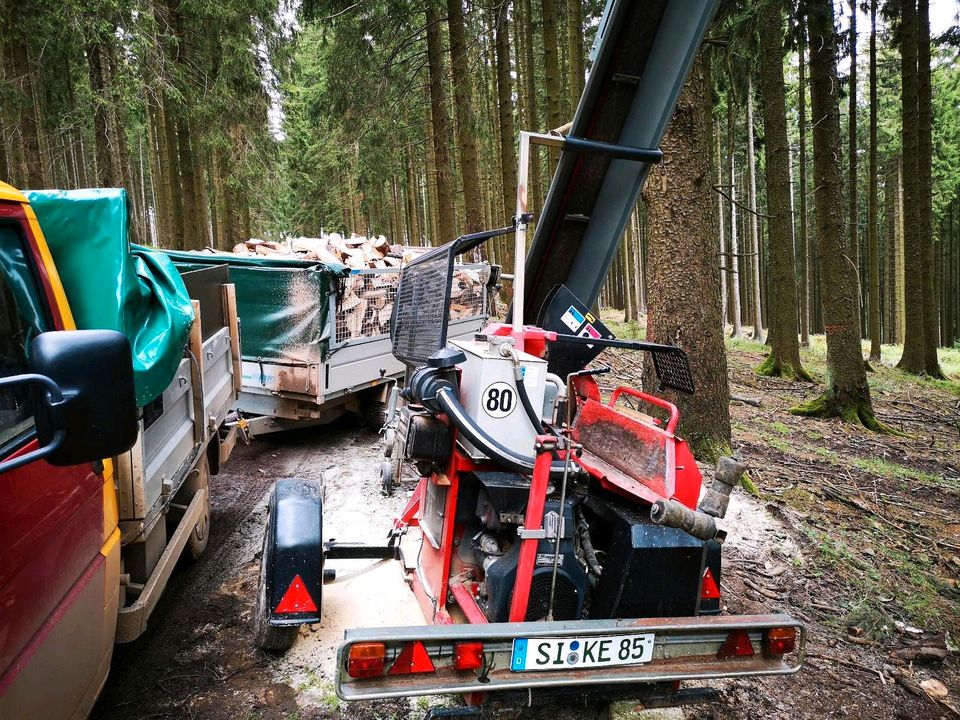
(580,652)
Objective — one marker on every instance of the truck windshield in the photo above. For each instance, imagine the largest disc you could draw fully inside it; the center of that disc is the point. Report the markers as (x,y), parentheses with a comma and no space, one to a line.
(21,319)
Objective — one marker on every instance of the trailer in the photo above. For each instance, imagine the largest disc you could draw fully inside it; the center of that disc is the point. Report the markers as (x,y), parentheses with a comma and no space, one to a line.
(315,342)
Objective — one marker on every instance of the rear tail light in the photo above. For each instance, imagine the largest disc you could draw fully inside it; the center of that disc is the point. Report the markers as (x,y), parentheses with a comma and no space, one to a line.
(737,644)
(412,659)
(366,660)
(468,655)
(779,641)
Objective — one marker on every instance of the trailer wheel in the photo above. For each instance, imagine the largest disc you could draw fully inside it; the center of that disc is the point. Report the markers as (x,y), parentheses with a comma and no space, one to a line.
(266,636)
(199,479)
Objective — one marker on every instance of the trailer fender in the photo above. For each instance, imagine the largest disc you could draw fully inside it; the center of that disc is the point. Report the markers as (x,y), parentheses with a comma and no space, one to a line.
(293,553)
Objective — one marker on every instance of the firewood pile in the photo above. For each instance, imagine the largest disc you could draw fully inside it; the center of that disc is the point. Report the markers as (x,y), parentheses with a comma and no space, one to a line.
(366,300)
(355,251)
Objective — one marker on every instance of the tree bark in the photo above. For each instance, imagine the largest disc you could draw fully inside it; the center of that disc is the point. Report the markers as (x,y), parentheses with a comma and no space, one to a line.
(784,357)
(682,264)
(847,394)
(175,239)
(575,51)
(191,235)
(551,66)
(931,322)
(873,240)
(803,246)
(912,360)
(852,183)
(438,116)
(466,123)
(722,230)
(508,157)
(21,75)
(754,227)
(734,240)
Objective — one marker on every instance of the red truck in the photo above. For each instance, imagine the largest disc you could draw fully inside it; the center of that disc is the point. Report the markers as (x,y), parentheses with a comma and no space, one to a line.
(78,572)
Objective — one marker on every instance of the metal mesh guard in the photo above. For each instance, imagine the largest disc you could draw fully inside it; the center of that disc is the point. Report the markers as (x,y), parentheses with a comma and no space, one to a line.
(420,308)
(673,370)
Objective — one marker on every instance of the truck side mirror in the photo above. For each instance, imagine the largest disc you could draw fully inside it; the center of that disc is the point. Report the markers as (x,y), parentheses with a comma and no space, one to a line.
(85,403)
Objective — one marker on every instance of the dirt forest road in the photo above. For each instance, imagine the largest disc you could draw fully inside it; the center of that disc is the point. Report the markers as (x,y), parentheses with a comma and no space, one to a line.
(197,660)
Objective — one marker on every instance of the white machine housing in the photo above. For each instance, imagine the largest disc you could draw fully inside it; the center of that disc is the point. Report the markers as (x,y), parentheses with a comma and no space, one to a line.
(488,391)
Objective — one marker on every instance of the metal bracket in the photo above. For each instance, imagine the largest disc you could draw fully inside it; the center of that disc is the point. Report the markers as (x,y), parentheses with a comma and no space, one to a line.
(525,534)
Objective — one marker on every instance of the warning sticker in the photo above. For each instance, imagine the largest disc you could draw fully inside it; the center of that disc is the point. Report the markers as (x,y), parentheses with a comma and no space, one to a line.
(573,318)
(591,332)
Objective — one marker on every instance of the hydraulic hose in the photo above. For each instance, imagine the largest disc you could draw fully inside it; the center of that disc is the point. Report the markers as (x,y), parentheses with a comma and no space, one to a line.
(525,401)
(447,399)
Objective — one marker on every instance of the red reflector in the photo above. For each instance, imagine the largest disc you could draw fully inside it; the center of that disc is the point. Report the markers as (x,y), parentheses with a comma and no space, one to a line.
(366,660)
(709,589)
(296,599)
(779,641)
(468,656)
(737,643)
(412,659)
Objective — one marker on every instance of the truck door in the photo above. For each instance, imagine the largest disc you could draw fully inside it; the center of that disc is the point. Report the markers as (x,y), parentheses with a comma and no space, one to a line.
(53,597)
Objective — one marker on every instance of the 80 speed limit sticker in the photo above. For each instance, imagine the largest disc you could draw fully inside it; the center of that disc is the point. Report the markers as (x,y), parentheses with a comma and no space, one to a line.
(499,399)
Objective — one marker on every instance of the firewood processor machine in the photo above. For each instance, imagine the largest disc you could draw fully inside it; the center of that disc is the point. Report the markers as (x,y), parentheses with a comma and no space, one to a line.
(561,547)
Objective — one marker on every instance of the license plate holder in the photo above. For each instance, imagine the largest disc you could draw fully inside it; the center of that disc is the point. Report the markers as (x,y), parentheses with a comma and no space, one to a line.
(575,653)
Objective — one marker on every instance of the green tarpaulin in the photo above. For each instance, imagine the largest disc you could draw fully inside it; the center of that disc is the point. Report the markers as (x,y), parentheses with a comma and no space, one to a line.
(283,304)
(111,286)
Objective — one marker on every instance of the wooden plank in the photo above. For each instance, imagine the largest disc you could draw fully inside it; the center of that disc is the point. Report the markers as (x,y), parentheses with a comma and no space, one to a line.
(195,347)
(233,323)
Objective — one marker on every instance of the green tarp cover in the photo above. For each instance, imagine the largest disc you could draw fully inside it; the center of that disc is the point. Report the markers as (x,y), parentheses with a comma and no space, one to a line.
(283,304)
(112,286)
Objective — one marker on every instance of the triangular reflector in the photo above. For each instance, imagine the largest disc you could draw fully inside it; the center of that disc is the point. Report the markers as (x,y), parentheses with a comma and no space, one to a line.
(737,643)
(412,659)
(709,589)
(296,599)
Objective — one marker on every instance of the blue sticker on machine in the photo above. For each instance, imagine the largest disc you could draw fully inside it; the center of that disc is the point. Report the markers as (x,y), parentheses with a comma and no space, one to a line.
(573,319)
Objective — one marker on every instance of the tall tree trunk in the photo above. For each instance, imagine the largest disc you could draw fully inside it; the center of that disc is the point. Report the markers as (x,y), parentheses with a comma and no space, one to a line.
(852,184)
(683,264)
(931,323)
(784,357)
(105,176)
(188,180)
(890,256)
(466,123)
(847,394)
(31,170)
(803,246)
(551,66)
(873,240)
(175,239)
(754,227)
(438,117)
(721,226)
(508,156)
(912,360)
(535,193)
(734,240)
(575,51)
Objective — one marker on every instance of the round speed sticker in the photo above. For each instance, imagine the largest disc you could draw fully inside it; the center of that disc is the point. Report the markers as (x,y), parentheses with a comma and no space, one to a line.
(499,399)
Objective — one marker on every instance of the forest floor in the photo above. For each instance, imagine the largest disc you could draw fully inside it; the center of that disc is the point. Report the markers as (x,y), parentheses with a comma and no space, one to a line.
(854,533)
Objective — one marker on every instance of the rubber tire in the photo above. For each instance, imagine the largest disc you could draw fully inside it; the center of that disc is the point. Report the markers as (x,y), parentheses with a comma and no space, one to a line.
(386,477)
(266,636)
(200,535)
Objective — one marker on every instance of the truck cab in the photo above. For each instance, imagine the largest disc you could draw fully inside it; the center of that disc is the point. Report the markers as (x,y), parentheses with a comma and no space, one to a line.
(59,539)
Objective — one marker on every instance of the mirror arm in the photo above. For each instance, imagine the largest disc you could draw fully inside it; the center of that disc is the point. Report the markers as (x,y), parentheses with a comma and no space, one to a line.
(56,400)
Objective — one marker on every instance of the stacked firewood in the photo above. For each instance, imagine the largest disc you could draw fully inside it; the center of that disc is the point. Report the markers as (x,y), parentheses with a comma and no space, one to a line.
(366,301)
(355,251)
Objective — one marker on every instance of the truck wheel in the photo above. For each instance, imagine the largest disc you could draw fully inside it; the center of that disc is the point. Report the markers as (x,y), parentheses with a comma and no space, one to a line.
(266,636)
(386,477)
(200,479)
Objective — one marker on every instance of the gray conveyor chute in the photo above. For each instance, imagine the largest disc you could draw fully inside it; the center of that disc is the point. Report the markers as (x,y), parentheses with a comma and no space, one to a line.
(643,52)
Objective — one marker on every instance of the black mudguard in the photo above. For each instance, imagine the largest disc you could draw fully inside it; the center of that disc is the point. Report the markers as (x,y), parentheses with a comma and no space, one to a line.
(294,549)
